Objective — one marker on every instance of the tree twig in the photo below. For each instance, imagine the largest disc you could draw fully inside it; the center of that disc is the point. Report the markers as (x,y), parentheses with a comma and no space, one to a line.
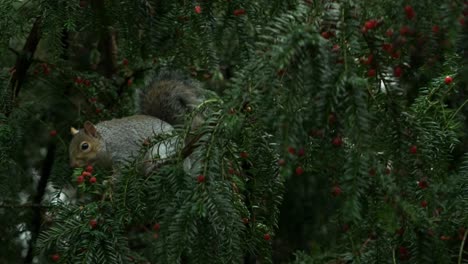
(41,188)
(23,62)
(23,206)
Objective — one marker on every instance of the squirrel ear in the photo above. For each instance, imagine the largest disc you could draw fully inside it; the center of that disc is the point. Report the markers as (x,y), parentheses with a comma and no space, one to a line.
(90,129)
(73,131)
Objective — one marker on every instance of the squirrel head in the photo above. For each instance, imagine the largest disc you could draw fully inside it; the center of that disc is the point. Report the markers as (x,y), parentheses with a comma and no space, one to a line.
(86,146)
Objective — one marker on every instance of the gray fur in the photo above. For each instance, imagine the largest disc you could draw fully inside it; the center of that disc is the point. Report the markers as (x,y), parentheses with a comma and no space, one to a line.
(170,96)
(130,132)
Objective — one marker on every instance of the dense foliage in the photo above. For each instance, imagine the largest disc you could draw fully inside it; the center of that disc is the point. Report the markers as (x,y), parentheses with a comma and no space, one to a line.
(336,131)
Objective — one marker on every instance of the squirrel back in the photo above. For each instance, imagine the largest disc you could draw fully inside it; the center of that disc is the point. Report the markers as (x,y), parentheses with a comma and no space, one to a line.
(171,97)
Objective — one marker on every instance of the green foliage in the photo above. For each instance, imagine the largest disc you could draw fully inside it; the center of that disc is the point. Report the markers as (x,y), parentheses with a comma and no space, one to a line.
(335,133)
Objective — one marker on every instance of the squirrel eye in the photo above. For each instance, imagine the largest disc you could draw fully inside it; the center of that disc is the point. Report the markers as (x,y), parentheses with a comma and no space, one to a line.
(84,146)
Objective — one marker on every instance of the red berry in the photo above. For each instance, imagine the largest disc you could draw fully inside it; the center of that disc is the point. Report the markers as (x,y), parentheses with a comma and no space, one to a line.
(372,172)
(413,149)
(331,119)
(336,191)
(397,71)
(92,180)
(125,62)
(129,82)
(93,223)
(299,170)
(201,178)
(388,171)
(370,24)
(281,162)
(368,60)
(83,3)
(404,253)
(98,110)
(389,32)
(404,30)
(388,47)
(337,141)
(55,257)
(244,154)
(53,133)
(156,227)
(345,228)
(448,80)
(86,174)
(409,12)
(326,35)
(239,12)
(231,171)
(336,48)
(198,9)
(79,179)
(245,220)
(435,29)
(424,204)
(78,80)
(461,21)
(301,152)
(371,72)
(317,133)
(292,150)
(444,238)
(89,168)
(396,54)
(92,99)
(267,237)
(423,184)
(400,231)
(87,82)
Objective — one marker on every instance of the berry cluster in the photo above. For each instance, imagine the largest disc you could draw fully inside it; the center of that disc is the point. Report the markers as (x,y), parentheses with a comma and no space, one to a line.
(86,174)
(44,67)
(80,81)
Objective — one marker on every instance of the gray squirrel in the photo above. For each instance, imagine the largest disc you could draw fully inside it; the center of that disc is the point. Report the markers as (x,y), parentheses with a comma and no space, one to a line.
(164,103)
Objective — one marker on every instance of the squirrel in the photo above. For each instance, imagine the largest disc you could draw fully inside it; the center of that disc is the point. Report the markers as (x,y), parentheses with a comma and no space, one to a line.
(163,103)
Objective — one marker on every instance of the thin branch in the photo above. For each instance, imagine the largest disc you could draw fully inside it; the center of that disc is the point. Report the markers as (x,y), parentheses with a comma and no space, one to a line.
(462,246)
(23,206)
(14,51)
(23,62)
(108,40)
(41,189)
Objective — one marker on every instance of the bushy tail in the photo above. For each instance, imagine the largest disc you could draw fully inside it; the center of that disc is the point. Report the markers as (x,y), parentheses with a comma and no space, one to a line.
(171,97)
